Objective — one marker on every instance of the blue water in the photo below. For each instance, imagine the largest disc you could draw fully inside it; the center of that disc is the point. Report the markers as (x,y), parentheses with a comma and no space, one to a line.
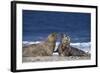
(37,25)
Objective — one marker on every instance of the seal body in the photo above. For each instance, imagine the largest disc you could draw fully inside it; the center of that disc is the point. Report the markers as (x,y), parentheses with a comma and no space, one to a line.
(64,48)
(44,48)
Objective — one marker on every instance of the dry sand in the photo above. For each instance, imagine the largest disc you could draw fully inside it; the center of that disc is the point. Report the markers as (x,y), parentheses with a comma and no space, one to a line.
(55,57)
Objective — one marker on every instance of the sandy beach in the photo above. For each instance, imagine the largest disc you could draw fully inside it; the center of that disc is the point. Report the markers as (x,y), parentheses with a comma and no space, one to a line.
(55,57)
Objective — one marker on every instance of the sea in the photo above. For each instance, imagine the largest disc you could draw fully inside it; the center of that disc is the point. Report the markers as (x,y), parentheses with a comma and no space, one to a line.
(37,25)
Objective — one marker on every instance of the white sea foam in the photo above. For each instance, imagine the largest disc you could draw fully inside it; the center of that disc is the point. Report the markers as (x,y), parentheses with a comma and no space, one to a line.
(30,42)
(85,46)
